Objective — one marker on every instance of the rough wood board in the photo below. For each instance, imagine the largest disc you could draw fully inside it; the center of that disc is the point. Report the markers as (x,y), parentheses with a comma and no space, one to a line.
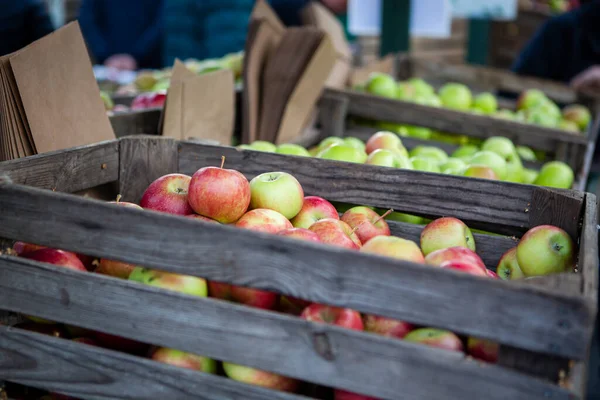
(67,170)
(324,274)
(549,207)
(588,250)
(93,373)
(136,122)
(320,353)
(332,116)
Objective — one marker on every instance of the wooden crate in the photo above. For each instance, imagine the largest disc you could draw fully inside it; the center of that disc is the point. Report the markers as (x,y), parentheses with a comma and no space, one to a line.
(574,149)
(544,324)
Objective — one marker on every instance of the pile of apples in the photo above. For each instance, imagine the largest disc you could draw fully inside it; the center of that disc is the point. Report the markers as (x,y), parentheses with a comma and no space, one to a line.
(497,158)
(533,106)
(275,203)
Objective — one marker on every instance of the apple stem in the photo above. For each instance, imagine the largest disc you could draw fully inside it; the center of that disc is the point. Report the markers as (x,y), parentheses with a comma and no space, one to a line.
(388,212)
(222,161)
(118,198)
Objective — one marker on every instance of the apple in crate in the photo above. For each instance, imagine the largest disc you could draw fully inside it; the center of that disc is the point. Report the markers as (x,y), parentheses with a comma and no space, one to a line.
(148,100)
(388,158)
(168,194)
(395,247)
(544,250)
(339,394)
(201,218)
(482,349)
(491,274)
(336,232)
(343,317)
(555,174)
(386,326)
(456,96)
(446,232)
(343,152)
(481,172)
(186,284)
(117,269)
(386,140)
(578,114)
(257,377)
(366,223)
(300,233)
(22,248)
(56,257)
(277,191)
(313,209)
(508,266)
(292,150)
(436,338)
(456,253)
(247,296)
(264,220)
(466,267)
(184,360)
(220,194)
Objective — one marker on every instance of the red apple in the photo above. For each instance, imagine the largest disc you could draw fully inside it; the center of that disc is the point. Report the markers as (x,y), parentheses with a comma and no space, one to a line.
(343,317)
(462,266)
(118,269)
(247,296)
(57,257)
(457,253)
(343,395)
(184,360)
(492,274)
(435,338)
(125,204)
(314,209)
(337,233)
(366,223)
(482,349)
(263,220)
(201,218)
(387,326)
(395,247)
(148,100)
(446,232)
(22,248)
(300,233)
(168,194)
(220,194)
(257,377)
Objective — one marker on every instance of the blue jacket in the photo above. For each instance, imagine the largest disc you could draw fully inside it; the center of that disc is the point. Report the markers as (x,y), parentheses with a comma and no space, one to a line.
(123,26)
(22,22)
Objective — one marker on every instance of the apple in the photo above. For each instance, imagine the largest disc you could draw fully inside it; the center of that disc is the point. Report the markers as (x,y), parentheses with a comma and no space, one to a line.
(456,96)
(385,140)
(257,377)
(23,248)
(355,142)
(389,127)
(405,91)
(545,249)
(525,153)
(343,317)
(578,114)
(202,218)
(264,146)
(277,191)
(107,100)
(450,138)
(56,257)
(168,194)
(425,164)
(446,232)
(395,247)
(387,326)
(453,166)
(366,223)
(502,146)
(457,253)
(117,269)
(530,98)
(381,85)
(465,151)
(568,126)
(330,141)
(491,274)
(314,209)
(300,233)
(343,152)
(251,297)
(264,220)
(184,360)
(148,100)
(508,266)
(555,174)
(388,158)
(339,394)
(480,171)
(435,338)
(418,132)
(408,218)
(464,266)
(435,153)
(292,150)
(337,233)
(529,176)
(482,349)
(504,114)
(492,160)
(187,284)
(244,147)
(514,169)
(220,194)
(486,103)
(537,116)
(422,88)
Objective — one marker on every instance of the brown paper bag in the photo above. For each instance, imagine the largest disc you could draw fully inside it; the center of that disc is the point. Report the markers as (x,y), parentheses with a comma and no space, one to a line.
(171,116)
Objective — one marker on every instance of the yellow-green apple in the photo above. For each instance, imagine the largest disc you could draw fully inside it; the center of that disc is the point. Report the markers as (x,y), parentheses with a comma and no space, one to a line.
(244,147)
(300,233)
(464,266)
(330,141)
(529,175)
(486,103)
(492,160)
(525,153)
(343,152)
(277,191)
(220,194)
(457,253)
(504,114)
(385,140)
(388,158)
(421,87)
(402,217)
(168,194)
(545,249)
(339,394)
(313,209)
(366,223)
(292,150)
(435,338)
(418,132)
(387,326)
(435,153)
(446,232)
(395,247)
(117,269)
(530,98)
(465,152)
(355,142)
(514,169)
(568,126)
(456,96)
(243,295)
(555,174)
(343,317)
(182,359)
(186,284)
(264,146)
(453,166)
(508,266)
(381,85)
(336,233)
(502,146)
(260,378)
(425,164)
(405,91)
(538,117)
(263,220)
(201,218)
(482,349)
(390,127)
(480,171)
(578,114)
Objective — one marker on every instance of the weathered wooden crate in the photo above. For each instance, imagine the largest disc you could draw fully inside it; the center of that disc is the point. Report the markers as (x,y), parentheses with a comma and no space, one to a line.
(574,149)
(544,324)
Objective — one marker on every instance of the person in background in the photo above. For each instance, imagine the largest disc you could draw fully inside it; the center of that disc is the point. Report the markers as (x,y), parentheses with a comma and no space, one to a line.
(22,22)
(123,34)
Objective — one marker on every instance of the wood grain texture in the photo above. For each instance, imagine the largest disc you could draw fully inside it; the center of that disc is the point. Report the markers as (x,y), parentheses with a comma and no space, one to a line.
(588,250)
(67,170)
(549,207)
(142,160)
(533,364)
(320,353)
(89,372)
(136,122)
(332,115)
(324,274)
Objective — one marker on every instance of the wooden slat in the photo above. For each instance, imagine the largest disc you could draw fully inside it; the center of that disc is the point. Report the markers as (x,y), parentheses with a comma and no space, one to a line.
(93,373)
(67,170)
(332,115)
(549,207)
(588,250)
(324,274)
(136,122)
(320,353)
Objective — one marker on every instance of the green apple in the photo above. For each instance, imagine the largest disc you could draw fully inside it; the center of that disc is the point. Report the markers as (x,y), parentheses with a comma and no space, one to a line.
(435,338)
(184,360)
(381,85)
(529,175)
(292,149)
(530,98)
(538,117)
(578,114)
(393,127)
(405,91)
(260,378)
(453,166)
(508,266)
(244,147)
(355,142)
(385,140)
(456,96)
(555,174)
(418,132)
(426,164)
(446,232)
(526,153)
(262,145)
(435,153)
(514,169)
(504,114)
(430,100)
(277,191)
(486,103)
(388,158)
(480,171)
(343,152)
(492,160)
(343,207)
(568,126)
(402,217)
(545,249)
(186,284)
(422,88)
(465,152)
(328,141)
(502,146)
